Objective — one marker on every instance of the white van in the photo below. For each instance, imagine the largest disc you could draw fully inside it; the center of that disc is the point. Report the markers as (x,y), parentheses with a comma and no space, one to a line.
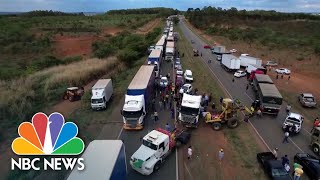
(188,75)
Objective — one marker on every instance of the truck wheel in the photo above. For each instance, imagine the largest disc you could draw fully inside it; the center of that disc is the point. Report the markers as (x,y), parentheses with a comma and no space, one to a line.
(70,98)
(232,123)
(315,149)
(156,166)
(216,126)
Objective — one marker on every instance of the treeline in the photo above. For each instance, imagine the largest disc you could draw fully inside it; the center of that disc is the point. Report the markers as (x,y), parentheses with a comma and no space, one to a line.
(40,13)
(161,11)
(201,17)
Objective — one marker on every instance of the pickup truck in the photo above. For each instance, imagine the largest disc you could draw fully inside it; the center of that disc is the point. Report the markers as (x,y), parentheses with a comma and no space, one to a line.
(272,167)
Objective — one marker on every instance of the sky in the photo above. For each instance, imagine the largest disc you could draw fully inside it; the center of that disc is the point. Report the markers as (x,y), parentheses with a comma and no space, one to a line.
(105,5)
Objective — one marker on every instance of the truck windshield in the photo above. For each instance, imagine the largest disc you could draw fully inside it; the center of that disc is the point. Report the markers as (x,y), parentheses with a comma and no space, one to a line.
(150,145)
(189,111)
(272,100)
(189,76)
(132,114)
(279,172)
(293,120)
(96,101)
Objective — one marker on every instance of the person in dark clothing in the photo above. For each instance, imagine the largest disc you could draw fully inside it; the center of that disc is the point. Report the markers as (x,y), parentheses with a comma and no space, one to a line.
(213,107)
(281,76)
(232,79)
(285,160)
(201,54)
(289,77)
(277,76)
(247,87)
(221,99)
(210,97)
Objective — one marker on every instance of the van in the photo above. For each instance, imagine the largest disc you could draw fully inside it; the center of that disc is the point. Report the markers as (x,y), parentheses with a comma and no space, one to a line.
(188,75)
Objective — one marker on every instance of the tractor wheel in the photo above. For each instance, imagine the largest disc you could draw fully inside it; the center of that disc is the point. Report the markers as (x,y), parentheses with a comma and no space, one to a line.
(71,98)
(315,148)
(232,123)
(156,166)
(65,97)
(216,126)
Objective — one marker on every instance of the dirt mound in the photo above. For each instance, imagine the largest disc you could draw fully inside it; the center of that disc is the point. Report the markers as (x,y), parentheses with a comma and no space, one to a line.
(149,26)
(111,31)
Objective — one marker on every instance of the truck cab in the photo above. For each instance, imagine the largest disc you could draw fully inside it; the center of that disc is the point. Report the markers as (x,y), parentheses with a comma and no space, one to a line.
(190,110)
(155,147)
(133,112)
(315,140)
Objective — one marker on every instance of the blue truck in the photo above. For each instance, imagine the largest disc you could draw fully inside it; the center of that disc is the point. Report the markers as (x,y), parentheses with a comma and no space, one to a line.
(103,159)
(138,98)
(155,59)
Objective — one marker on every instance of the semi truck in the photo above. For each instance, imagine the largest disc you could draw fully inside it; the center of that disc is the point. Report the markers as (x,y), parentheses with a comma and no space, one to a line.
(246,60)
(101,93)
(161,44)
(230,62)
(270,98)
(170,39)
(156,146)
(170,51)
(139,95)
(103,159)
(260,78)
(155,58)
(190,110)
(253,67)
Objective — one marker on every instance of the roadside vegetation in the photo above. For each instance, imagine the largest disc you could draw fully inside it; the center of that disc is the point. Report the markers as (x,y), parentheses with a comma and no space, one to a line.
(239,144)
(270,28)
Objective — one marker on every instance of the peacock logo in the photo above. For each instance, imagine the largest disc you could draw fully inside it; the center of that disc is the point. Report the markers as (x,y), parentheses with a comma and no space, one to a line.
(47,136)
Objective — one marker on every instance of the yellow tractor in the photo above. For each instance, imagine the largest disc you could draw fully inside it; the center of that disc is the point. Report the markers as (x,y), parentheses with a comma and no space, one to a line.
(229,114)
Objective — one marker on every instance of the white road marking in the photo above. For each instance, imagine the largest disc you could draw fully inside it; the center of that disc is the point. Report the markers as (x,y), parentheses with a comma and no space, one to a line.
(188,170)
(120,133)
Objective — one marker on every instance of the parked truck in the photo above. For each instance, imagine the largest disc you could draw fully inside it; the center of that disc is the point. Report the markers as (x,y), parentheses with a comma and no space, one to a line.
(103,159)
(155,58)
(260,78)
(101,93)
(156,146)
(170,51)
(270,98)
(170,39)
(161,44)
(230,62)
(246,60)
(190,110)
(138,97)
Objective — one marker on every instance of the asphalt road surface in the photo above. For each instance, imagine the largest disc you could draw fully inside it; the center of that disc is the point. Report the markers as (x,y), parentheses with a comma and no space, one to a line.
(269,127)
(132,139)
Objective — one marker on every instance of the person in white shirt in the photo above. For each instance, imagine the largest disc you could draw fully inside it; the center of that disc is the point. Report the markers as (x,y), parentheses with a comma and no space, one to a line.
(189,152)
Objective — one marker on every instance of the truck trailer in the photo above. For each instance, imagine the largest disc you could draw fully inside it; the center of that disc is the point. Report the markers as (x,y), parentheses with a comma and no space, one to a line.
(190,110)
(103,159)
(155,58)
(138,97)
(270,98)
(101,94)
(230,62)
(170,51)
(161,44)
(253,67)
(260,78)
(246,60)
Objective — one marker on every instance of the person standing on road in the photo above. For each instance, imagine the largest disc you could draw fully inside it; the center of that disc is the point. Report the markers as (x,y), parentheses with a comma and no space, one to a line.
(168,128)
(285,160)
(282,76)
(189,152)
(275,152)
(289,77)
(221,155)
(221,100)
(288,109)
(172,113)
(297,173)
(286,136)
(155,116)
(316,123)
(277,76)
(232,79)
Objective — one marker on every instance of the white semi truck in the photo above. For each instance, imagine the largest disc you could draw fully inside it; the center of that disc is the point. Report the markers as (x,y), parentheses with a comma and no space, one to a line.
(103,159)
(101,94)
(190,110)
(246,60)
(170,51)
(138,98)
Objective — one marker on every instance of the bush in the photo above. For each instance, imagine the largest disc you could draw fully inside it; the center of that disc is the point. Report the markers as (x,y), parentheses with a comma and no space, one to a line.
(317,48)
(128,56)
(105,51)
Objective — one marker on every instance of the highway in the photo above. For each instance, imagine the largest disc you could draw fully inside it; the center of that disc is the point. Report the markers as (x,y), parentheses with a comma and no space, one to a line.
(132,139)
(269,127)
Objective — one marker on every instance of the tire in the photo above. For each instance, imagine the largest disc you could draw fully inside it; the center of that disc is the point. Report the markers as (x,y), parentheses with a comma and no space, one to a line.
(71,98)
(315,148)
(156,166)
(232,123)
(216,126)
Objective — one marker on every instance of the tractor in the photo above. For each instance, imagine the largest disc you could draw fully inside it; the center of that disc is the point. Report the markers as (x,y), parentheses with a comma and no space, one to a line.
(229,114)
(73,93)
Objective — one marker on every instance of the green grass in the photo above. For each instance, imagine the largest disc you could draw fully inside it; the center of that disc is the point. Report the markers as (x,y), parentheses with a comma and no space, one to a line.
(206,83)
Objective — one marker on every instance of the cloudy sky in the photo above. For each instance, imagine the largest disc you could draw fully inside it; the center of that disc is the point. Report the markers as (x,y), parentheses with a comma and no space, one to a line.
(105,5)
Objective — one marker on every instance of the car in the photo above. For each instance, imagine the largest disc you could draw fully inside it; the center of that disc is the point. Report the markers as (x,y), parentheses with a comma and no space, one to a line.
(307,100)
(195,52)
(186,88)
(240,74)
(310,164)
(188,75)
(272,167)
(293,122)
(177,63)
(179,81)
(271,63)
(179,70)
(164,82)
(206,46)
(233,50)
(283,71)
